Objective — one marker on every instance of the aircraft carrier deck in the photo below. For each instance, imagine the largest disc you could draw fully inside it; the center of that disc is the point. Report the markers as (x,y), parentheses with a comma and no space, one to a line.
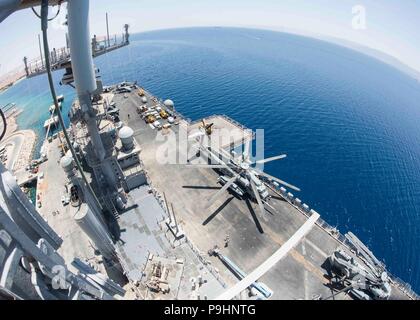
(301,274)
(289,247)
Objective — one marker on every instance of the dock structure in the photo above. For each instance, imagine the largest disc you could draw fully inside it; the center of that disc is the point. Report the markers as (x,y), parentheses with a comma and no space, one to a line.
(60,57)
(52,122)
(19,147)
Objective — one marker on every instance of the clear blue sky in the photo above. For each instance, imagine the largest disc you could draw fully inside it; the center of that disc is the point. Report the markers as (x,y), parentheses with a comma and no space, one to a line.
(391,26)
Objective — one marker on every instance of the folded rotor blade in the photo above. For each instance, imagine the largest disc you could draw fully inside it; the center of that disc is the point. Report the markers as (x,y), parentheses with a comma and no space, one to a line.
(222,190)
(246,155)
(280,181)
(215,157)
(271,159)
(219,161)
(225,153)
(257,196)
(206,166)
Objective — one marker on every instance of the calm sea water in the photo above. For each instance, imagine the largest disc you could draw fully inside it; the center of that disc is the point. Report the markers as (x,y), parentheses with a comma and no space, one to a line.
(349,124)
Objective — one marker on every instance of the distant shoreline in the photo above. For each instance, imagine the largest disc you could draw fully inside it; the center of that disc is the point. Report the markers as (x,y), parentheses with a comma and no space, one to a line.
(5,86)
(350,45)
(11,118)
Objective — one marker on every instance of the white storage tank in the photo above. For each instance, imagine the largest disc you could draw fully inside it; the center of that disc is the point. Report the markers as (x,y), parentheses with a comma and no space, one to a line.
(169,104)
(144,100)
(126,136)
(66,163)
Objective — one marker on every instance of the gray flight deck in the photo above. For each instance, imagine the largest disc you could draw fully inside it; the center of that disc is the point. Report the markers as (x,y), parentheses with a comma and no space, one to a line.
(140,223)
(142,234)
(302,274)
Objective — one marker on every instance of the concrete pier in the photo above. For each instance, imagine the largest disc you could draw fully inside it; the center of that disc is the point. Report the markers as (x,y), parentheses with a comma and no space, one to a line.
(18,151)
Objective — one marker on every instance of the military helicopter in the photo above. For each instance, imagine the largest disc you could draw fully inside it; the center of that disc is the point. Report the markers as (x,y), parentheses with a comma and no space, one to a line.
(365,282)
(241,172)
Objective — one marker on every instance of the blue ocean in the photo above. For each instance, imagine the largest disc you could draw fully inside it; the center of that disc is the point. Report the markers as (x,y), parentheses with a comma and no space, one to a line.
(349,123)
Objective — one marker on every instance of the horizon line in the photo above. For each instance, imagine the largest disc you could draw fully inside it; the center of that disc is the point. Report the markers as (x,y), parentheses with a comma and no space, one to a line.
(412,71)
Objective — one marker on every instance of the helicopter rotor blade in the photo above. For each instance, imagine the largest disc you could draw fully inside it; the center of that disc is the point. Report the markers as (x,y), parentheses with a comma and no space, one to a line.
(280,181)
(225,153)
(206,166)
(219,161)
(282,156)
(258,197)
(246,155)
(222,190)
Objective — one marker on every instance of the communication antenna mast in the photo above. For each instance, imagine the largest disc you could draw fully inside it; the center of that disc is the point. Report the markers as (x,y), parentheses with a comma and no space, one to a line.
(40,50)
(107,29)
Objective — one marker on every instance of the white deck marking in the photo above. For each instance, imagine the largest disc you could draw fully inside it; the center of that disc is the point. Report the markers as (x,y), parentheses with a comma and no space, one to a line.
(271,261)
(316,248)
